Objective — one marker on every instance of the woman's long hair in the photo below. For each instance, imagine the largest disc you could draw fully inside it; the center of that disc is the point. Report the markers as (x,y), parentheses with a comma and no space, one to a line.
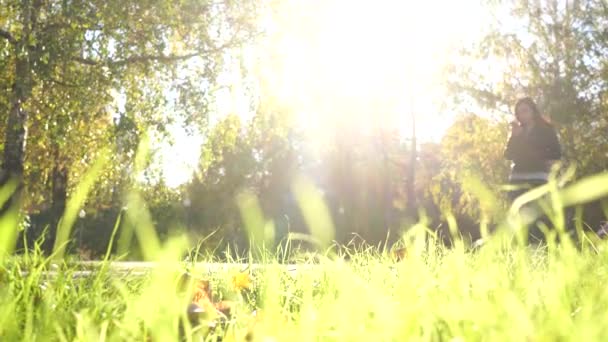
(538,117)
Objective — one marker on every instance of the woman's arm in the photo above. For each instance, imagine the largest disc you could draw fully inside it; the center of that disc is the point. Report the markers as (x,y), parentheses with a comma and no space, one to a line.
(552,147)
(514,148)
(552,151)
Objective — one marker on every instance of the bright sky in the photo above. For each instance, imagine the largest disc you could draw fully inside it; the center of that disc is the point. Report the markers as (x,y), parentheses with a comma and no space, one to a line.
(365,62)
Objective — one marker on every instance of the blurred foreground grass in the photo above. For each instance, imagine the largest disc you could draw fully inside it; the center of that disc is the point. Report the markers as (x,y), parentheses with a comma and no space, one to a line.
(501,291)
(504,289)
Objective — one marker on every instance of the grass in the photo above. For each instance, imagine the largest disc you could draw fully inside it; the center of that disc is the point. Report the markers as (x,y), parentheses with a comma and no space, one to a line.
(504,289)
(501,291)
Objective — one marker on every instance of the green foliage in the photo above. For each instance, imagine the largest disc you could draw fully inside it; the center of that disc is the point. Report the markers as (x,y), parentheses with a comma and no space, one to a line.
(83,76)
(103,74)
(553,53)
(471,151)
(80,53)
(258,158)
(550,51)
(364,176)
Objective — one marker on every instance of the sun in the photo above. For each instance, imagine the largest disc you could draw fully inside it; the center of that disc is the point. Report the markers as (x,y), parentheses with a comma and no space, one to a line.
(365,62)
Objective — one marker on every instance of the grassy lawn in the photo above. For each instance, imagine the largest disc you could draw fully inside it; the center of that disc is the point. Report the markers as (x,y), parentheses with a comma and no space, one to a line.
(504,289)
(501,291)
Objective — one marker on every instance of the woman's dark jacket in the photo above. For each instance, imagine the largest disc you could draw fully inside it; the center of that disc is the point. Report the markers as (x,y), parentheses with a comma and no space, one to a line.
(530,150)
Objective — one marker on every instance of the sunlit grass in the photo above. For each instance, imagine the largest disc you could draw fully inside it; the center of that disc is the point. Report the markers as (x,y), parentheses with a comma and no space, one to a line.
(503,289)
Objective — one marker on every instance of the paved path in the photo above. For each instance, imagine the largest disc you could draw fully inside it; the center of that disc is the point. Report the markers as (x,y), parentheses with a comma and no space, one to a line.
(140,268)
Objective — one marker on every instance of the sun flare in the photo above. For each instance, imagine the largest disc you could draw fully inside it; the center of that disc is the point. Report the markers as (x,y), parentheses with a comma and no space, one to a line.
(360,65)
(366,63)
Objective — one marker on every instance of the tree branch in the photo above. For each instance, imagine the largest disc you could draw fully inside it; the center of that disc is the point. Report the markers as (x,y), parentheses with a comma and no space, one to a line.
(138,59)
(6,35)
(87,61)
(156,58)
(64,84)
(153,58)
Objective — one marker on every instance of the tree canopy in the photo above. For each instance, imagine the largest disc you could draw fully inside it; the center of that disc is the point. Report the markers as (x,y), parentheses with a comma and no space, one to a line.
(81,77)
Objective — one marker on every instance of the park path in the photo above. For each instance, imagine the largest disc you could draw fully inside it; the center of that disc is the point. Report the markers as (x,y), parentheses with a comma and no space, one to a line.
(141,268)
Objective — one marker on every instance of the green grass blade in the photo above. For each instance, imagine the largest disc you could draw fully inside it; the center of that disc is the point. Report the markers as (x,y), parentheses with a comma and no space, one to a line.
(75,203)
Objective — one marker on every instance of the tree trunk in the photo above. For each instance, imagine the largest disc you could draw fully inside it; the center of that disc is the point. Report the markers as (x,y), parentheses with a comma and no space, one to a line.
(16,130)
(16,133)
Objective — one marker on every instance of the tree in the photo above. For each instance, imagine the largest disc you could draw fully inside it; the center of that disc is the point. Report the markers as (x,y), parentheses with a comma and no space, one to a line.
(554,52)
(258,156)
(63,60)
(471,159)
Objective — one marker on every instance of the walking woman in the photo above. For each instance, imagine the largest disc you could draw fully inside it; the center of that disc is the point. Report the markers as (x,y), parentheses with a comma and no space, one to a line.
(533,147)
